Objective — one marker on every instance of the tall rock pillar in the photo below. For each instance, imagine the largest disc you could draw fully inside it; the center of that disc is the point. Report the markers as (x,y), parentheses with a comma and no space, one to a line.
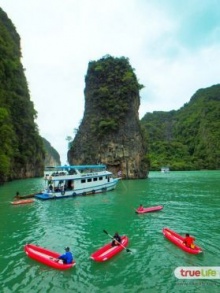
(110,131)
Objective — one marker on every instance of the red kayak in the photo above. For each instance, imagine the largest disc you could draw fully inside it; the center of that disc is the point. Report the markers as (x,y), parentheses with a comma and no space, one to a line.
(106,252)
(22,201)
(178,240)
(46,257)
(148,210)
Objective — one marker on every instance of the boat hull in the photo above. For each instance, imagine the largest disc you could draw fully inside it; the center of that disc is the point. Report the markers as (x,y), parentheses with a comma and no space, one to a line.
(178,241)
(149,210)
(107,251)
(46,257)
(72,193)
(22,201)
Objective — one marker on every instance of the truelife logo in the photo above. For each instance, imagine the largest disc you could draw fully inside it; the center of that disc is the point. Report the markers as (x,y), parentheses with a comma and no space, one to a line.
(197,272)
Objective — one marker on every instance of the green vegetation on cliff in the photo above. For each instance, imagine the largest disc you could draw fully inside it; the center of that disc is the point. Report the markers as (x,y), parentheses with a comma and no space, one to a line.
(187,139)
(111,85)
(21,147)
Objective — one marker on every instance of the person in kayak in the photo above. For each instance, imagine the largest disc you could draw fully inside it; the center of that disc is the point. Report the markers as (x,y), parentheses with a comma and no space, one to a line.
(17,196)
(67,257)
(141,208)
(188,241)
(116,239)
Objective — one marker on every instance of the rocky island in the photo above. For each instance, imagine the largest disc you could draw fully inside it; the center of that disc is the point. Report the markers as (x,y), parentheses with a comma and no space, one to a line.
(110,131)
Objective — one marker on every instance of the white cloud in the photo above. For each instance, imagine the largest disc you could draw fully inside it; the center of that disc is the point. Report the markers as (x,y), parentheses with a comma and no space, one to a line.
(172,83)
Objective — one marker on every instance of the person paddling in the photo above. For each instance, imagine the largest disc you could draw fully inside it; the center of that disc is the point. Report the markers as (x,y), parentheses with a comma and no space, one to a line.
(67,257)
(116,239)
(141,208)
(17,196)
(189,241)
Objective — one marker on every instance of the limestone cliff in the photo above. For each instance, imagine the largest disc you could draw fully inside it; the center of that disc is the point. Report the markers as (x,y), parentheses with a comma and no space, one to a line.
(21,147)
(52,157)
(110,131)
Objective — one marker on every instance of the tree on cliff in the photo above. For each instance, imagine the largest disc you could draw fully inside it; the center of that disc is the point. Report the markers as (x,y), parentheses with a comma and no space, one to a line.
(110,131)
(189,138)
(21,147)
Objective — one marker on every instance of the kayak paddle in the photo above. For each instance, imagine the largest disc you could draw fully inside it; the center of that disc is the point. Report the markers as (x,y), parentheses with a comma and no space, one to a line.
(128,250)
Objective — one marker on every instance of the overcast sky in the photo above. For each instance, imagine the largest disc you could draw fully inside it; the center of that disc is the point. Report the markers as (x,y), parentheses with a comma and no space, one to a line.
(173,45)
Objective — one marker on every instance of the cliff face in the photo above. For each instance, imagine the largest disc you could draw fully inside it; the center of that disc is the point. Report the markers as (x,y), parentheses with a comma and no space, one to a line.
(21,147)
(52,157)
(51,161)
(110,132)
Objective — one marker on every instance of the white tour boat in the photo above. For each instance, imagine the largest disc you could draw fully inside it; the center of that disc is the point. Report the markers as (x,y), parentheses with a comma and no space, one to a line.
(68,181)
(165,170)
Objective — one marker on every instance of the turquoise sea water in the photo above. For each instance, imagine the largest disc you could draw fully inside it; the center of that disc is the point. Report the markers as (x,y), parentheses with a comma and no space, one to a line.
(191,204)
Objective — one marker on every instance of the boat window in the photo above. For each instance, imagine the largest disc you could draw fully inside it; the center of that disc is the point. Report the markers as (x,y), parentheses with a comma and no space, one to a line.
(58,173)
(70,184)
(83,181)
(100,178)
(89,180)
(95,179)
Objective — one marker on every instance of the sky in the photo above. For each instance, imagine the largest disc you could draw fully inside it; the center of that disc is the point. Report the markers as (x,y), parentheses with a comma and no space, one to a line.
(173,45)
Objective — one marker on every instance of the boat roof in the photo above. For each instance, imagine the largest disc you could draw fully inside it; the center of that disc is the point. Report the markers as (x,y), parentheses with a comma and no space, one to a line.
(79,167)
